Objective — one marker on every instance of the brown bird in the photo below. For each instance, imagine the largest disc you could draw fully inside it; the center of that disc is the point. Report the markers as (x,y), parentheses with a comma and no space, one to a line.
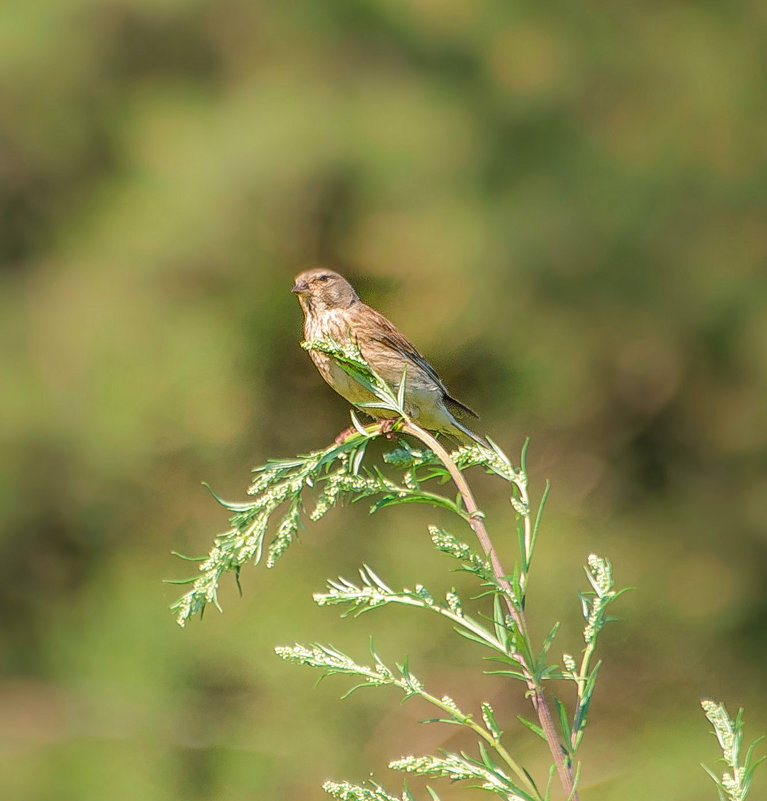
(333,310)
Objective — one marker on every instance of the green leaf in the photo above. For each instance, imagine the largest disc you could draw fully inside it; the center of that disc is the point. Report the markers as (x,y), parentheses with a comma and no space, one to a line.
(537,523)
(564,722)
(188,558)
(415,497)
(356,423)
(401,388)
(232,507)
(523,457)
(499,622)
(532,726)
(576,782)
(542,656)
(514,674)
(719,785)
(470,635)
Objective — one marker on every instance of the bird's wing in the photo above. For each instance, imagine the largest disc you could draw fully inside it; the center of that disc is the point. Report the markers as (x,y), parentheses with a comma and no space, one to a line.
(387,334)
(390,336)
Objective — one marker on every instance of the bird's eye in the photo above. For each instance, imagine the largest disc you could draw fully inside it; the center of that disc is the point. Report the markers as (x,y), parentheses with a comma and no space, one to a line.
(324,278)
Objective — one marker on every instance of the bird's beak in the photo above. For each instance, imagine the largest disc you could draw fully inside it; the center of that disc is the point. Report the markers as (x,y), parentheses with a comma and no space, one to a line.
(300,288)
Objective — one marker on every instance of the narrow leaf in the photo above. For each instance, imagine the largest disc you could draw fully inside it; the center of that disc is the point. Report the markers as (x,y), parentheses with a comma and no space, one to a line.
(532,726)
(564,721)
(188,558)
(401,389)
(232,507)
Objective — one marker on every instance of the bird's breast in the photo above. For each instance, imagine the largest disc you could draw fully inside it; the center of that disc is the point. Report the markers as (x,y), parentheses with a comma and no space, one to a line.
(331,324)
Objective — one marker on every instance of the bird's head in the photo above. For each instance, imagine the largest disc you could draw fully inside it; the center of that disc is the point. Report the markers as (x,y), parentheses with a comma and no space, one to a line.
(323,290)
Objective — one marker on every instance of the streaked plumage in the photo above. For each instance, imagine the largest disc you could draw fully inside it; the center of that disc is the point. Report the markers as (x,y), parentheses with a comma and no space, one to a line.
(332,309)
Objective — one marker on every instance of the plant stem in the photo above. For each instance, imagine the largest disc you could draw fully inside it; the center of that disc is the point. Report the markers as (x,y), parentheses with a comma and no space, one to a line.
(525,498)
(581,685)
(476,518)
(476,521)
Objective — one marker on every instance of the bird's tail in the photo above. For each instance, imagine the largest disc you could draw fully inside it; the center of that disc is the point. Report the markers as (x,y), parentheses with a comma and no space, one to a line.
(458,409)
(467,433)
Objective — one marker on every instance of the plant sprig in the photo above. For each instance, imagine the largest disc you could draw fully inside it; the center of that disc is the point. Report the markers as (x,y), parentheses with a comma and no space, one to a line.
(732,785)
(454,766)
(340,473)
(334,475)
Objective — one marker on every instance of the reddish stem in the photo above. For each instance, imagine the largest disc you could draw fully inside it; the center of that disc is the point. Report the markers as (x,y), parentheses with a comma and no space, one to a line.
(476,521)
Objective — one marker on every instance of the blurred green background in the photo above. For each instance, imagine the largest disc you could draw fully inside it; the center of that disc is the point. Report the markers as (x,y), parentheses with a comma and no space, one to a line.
(564,205)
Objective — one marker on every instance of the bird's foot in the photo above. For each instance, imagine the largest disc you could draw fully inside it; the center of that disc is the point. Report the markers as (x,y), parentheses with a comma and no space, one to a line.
(389,427)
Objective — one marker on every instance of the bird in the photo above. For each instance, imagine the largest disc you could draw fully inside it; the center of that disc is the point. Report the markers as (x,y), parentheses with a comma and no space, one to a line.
(333,310)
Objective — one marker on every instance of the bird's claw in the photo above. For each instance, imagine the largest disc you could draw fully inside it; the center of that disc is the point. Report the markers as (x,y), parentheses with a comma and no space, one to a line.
(388,427)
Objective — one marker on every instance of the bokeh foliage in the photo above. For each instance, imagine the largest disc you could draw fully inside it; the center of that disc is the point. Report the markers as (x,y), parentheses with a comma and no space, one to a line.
(564,205)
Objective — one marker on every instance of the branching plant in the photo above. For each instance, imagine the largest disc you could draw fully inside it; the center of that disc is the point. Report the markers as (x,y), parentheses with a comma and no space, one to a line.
(734,783)
(495,618)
